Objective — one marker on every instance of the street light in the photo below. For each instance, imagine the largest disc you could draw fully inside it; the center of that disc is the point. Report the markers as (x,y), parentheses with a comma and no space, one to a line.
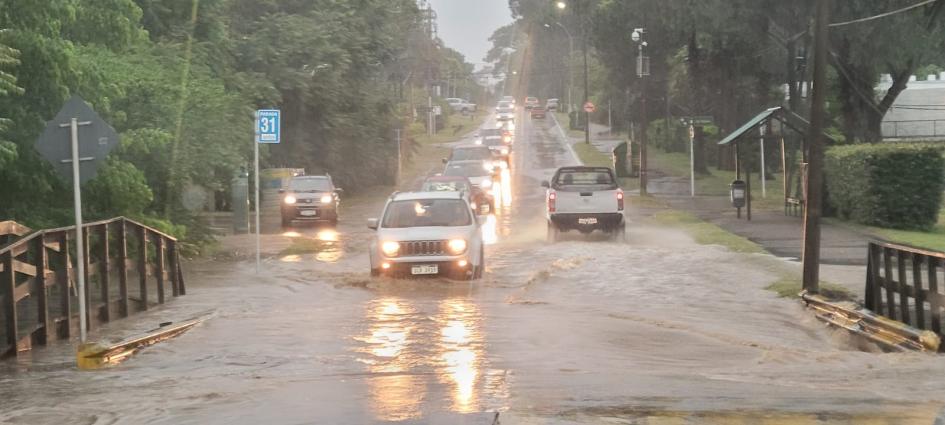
(643,70)
(562,5)
(570,62)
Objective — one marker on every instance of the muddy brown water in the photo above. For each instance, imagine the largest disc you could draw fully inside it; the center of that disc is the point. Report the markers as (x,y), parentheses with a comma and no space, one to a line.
(653,331)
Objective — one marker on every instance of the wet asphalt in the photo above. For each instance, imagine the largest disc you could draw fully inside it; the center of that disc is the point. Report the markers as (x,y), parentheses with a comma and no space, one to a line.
(655,330)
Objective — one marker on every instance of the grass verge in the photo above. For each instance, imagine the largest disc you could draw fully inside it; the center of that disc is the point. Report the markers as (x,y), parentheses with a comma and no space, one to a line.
(564,120)
(933,239)
(790,287)
(706,233)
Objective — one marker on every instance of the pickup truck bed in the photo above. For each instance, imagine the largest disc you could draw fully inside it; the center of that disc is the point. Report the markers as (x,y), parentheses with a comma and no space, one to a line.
(584,199)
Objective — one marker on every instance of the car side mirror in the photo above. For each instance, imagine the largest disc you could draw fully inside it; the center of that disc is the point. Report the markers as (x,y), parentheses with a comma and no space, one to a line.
(339,190)
(372,223)
(545,184)
(281,190)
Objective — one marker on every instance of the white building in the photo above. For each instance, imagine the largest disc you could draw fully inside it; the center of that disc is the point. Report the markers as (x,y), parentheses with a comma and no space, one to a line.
(918,112)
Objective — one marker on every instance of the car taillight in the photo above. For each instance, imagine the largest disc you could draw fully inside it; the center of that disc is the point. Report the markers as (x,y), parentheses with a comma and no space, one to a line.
(551,201)
(619,200)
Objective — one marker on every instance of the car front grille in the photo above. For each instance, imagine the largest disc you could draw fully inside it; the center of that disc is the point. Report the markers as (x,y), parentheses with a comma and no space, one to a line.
(422,248)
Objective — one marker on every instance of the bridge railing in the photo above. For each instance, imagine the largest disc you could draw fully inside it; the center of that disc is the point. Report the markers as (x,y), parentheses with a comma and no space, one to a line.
(128,266)
(903,283)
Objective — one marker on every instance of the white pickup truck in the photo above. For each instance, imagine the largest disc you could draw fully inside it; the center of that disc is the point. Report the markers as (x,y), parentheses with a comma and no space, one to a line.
(461,105)
(584,199)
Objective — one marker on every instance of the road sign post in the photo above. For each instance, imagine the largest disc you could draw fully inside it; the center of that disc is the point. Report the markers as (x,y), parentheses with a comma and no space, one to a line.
(79,163)
(692,161)
(268,131)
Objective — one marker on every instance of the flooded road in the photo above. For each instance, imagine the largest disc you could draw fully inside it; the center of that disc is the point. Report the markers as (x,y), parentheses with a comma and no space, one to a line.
(658,330)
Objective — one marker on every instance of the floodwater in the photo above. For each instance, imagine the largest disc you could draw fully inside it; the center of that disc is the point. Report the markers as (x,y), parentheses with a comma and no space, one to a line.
(653,331)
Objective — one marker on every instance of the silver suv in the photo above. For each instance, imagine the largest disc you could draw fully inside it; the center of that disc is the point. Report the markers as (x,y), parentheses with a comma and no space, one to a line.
(427,233)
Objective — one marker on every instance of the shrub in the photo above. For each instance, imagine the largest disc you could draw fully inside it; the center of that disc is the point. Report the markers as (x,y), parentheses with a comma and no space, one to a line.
(887,185)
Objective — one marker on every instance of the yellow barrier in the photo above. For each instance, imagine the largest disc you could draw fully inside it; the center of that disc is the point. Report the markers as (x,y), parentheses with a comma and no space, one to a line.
(92,356)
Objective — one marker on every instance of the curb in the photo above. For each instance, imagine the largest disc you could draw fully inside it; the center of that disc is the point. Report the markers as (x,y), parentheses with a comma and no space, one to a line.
(91,356)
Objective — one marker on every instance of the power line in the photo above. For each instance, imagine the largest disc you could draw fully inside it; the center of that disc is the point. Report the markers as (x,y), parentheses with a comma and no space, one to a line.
(882,15)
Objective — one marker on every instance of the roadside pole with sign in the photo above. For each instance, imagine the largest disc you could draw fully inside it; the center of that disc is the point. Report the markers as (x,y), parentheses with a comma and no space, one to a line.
(79,163)
(268,126)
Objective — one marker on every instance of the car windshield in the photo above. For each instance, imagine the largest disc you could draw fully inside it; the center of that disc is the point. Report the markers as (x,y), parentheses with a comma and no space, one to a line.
(309,185)
(504,105)
(427,213)
(470,154)
(490,132)
(584,178)
(469,169)
(445,186)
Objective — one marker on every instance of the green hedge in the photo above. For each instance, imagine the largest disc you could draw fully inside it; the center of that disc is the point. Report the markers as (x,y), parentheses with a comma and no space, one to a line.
(887,185)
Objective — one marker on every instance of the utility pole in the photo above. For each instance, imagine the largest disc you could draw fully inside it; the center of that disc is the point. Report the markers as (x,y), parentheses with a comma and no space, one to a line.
(815,146)
(643,70)
(587,115)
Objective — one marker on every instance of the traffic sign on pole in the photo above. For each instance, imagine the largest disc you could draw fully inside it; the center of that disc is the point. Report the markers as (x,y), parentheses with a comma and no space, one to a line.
(589,107)
(77,161)
(268,126)
(268,131)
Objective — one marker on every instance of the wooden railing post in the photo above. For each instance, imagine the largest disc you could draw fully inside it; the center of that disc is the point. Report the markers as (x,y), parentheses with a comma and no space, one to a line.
(918,292)
(160,268)
(173,265)
(122,269)
(41,292)
(8,284)
(143,266)
(935,297)
(103,278)
(889,284)
(904,315)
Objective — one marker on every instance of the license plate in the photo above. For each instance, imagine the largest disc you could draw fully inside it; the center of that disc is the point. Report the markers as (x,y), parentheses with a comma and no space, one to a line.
(590,220)
(433,269)
(308,213)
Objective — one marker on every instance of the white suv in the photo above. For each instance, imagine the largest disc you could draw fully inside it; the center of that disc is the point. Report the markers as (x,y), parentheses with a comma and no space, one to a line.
(427,233)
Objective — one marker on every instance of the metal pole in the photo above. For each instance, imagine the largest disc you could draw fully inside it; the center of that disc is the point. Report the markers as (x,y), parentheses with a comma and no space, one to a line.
(692,162)
(764,184)
(400,156)
(811,253)
(79,234)
(610,123)
(430,115)
(587,115)
(644,125)
(256,166)
(570,69)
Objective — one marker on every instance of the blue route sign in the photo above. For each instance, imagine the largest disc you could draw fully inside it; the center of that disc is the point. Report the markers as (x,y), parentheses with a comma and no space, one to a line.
(268,126)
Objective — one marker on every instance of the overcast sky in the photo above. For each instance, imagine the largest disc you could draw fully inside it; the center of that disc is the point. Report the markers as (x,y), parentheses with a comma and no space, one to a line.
(465,25)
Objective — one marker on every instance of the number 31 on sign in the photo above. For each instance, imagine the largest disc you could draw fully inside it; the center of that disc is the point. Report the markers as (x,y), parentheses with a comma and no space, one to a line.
(268,125)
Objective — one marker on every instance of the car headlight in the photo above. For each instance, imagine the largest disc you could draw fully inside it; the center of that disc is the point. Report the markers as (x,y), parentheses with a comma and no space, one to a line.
(390,248)
(504,151)
(327,199)
(488,165)
(289,199)
(457,246)
(487,183)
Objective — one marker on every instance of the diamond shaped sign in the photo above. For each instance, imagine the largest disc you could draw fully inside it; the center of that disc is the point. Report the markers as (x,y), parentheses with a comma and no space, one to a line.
(96,140)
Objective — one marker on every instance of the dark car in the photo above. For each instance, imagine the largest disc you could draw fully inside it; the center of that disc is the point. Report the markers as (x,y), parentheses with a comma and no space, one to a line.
(500,150)
(310,199)
(480,201)
(538,112)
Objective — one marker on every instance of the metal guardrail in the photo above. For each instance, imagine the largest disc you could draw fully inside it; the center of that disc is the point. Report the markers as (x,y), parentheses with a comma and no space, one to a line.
(38,299)
(902,283)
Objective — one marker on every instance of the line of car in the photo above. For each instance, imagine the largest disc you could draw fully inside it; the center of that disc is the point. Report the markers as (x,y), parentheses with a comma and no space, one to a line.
(437,230)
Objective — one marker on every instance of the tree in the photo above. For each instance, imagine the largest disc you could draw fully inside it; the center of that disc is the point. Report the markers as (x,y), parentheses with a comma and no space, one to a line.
(9,57)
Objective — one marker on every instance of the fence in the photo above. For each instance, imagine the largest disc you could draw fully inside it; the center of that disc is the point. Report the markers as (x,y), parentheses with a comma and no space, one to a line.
(902,283)
(38,297)
(914,129)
